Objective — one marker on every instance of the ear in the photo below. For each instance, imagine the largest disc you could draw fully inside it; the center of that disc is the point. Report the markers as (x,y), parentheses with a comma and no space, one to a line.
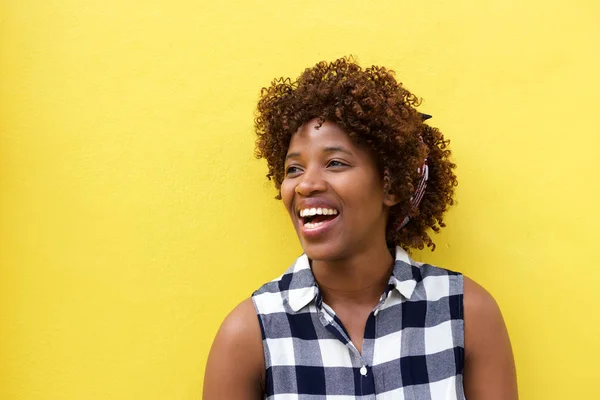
(389,198)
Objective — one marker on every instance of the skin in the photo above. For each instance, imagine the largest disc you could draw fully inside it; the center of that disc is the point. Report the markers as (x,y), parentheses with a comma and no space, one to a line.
(351,264)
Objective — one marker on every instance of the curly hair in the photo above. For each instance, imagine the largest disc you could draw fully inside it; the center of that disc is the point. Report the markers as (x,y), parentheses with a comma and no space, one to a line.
(378,113)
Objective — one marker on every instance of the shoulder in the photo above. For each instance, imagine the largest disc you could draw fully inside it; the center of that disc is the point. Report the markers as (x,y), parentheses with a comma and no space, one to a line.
(477,307)
(269,298)
(235,366)
(482,315)
(489,363)
(477,299)
(440,283)
(241,325)
(240,330)
(432,271)
(486,336)
(297,281)
(484,323)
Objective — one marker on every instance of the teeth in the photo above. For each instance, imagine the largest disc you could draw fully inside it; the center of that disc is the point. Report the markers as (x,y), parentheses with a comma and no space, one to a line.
(310,225)
(309,212)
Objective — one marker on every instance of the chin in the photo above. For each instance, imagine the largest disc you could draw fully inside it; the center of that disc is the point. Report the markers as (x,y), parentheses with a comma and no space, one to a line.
(324,251)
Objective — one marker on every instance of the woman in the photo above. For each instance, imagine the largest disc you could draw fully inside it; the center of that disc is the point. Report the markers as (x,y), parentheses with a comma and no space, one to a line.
(363,178)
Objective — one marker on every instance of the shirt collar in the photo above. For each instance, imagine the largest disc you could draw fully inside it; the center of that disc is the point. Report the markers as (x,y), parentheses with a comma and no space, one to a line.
(405,274)
(303,288)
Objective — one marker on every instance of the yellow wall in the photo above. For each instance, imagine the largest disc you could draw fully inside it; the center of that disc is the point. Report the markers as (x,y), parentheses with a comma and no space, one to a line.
(134,217)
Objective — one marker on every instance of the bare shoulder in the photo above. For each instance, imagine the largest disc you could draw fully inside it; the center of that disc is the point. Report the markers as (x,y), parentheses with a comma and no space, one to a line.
(489,364)
(479,303)
(482,316)
(235,367)
(241,325)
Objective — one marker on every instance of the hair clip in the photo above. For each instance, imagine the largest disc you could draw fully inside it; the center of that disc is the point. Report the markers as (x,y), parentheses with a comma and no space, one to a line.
(416,198)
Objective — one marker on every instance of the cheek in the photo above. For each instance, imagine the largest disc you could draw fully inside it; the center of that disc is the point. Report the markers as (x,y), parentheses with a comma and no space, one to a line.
(287,194)
(361,189)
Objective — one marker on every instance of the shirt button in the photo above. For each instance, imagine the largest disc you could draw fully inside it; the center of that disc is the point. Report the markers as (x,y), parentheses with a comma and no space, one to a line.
(363,371)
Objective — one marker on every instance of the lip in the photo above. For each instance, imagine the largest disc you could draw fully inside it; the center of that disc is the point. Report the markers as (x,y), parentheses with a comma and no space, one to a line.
(326,226)
(315,233)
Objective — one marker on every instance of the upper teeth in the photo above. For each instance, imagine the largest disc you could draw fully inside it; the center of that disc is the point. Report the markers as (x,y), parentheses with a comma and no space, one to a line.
(309,212)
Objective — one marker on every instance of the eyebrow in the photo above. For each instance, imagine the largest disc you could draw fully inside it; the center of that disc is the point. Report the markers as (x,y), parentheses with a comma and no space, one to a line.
(329,149)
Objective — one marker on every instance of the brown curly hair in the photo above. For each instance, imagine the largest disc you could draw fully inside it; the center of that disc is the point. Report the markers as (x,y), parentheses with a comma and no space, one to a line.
(378,113)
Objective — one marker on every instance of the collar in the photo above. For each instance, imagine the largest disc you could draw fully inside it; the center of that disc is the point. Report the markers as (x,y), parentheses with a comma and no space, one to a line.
(303,288)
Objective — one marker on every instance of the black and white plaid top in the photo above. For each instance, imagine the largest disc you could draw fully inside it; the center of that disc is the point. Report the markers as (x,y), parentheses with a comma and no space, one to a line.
(413,346)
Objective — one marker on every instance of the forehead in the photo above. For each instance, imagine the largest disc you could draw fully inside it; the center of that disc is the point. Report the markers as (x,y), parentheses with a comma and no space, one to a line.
(311,135)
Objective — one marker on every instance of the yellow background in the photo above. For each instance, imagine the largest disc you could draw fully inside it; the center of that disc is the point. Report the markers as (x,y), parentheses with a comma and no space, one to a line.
(134,216)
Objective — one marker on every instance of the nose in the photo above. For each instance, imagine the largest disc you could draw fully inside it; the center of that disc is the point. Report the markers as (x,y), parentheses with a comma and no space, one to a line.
(311,182)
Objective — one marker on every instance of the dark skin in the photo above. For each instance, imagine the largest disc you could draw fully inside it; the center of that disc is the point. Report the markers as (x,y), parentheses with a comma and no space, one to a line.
(352,267)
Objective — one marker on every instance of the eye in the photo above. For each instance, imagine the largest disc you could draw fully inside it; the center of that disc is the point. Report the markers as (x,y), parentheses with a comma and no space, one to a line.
(336,163)
(291,170)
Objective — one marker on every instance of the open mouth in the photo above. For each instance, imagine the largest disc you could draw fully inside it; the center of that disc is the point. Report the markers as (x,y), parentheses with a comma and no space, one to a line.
(313,218)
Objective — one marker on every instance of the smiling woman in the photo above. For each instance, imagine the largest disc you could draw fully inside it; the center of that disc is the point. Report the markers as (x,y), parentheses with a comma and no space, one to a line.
(327,171)
(364,179)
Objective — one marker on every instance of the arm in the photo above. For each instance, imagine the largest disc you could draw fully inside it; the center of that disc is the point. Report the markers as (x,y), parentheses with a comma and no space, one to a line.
(489,365)
(236,367)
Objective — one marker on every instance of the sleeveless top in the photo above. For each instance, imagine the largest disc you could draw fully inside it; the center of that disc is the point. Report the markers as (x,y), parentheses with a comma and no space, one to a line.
(413,346)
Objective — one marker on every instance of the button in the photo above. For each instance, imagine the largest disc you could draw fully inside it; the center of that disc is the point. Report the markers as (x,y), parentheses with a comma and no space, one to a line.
(363,371)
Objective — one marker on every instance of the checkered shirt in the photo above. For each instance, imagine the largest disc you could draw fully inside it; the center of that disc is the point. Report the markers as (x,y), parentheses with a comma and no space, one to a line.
(413,346)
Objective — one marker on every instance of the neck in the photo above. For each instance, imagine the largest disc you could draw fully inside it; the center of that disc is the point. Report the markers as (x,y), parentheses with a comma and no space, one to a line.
(359,279)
